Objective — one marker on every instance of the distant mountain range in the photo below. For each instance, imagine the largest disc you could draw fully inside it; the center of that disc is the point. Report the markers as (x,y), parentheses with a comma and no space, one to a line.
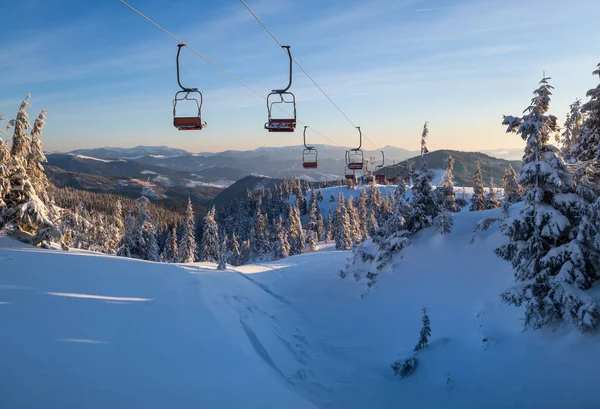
(164,172)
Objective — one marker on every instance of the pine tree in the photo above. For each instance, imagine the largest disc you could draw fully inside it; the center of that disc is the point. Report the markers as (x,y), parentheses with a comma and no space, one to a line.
(210,244)
(320,194)
(443,222)
(425,332)
(22,209)
(510,185)
(424,203)
(187,246)
(312,225)
(478,199)
(278,239)
(424,137)
(363,214)
(223,254)
(446,188)
(296,236)
(587,146)
(550,246)
(234,250)
(331,198)
(321,227)
(260,247)
(145,233)
(343,240)
(171,252)
(491,200)
(127,244)
(572,130)
(329,227)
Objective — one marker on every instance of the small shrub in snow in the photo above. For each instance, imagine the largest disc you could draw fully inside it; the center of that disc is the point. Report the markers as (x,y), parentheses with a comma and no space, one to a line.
(405,367)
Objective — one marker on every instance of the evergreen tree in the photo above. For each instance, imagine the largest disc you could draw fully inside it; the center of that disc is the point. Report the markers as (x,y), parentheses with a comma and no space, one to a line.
(35,170)
(572,130)
(510,185)
(446,188)
(478,199)
(551,248)
(343,239)
(171,252)
(425,332)
(259,246)
(321,227)
(296,236)
(443,222)
(331,198)
(491,201)
(329,227)
(424,137)
(145,233)
(586,148)
(363,214)
(424,203)
(320,194)
(187,247)
(127,244)
(278,239)
(234,250)
(223,254)
(210,244)
(312,225)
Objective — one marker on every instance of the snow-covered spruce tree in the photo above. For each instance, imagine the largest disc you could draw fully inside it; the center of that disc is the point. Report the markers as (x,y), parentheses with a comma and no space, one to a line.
(478,198)
(259,245)
(187,246)
(312,226)
(491,200)
(343,239)
(510,185)
(23,210)
(446,188)
(5,160)
(462,200)
(147,247)
(321,227)
(234,250)
(355,231)
(425,332)
(572,130)
(171,251)
(295,233)
(280,248)
(210,244)
(223,254)
(424,203)
(549,249)
(363,214)
(127,244)
(320,193)
(443,222)
(424,137)
(35,170)
(329,227)
(586,147)
(331,198)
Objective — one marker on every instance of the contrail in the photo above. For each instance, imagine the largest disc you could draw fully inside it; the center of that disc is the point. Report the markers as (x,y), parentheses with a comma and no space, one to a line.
(436,8)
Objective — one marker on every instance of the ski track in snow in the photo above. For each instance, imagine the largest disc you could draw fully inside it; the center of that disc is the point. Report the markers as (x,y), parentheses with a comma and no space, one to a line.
(124,333)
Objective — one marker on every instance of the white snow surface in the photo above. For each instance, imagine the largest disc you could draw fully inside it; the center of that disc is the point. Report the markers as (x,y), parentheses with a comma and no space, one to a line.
(81,329)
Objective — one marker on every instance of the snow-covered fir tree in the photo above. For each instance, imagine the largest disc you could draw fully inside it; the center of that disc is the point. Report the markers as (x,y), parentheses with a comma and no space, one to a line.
(171,251)
(424,136)
(446,188)
(223,254)
(127,245)
(478,201)
(280,247)
(22,208)
(355,225)
(586,147)
(424,203)
(341,227)
(35,170)
(329,227)
(234,250)
(491,199)
(312,223)
(210,244)
(296,236)
(510,185)
(425,332)
(331,198)
(443,222)
(259,246)
(551,248)
(320,193)
(572,130)
(187,245)
(363,214)
(147,246)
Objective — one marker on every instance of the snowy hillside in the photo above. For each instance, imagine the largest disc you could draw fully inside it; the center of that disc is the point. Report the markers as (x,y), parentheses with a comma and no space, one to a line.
(81,329)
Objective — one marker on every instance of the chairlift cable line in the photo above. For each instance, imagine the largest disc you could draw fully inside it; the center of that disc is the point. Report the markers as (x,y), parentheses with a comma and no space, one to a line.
(223,70)
(303,70)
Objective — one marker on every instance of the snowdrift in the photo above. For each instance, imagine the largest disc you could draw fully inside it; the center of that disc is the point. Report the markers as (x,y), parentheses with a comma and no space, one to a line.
(86,330)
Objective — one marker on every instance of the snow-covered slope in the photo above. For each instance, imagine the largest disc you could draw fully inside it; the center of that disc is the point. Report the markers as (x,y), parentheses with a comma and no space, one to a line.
(86,330)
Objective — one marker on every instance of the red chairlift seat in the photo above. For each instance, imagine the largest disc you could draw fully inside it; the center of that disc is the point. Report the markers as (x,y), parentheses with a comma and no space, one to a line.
(281,125)
(380,178)
(350,176)
(355,165)
(392,179)
(310,165)
(188,123)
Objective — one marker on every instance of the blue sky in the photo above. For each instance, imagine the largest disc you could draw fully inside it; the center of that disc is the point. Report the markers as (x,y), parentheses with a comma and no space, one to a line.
(107,77)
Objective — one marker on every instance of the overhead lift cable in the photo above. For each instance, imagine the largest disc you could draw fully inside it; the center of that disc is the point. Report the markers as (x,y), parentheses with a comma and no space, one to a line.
(223,70)
(303,70)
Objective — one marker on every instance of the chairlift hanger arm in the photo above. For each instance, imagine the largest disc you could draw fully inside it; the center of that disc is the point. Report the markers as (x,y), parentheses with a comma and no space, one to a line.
(184,89)
(360,139)
(305,145)
(281,91)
